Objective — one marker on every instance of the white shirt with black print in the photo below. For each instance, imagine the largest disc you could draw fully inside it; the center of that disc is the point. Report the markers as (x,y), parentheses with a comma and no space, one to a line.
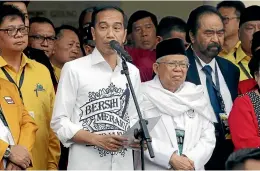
(93,97)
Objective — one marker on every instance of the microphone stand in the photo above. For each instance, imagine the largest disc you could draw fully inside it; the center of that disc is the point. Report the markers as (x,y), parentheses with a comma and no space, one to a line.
(143,132)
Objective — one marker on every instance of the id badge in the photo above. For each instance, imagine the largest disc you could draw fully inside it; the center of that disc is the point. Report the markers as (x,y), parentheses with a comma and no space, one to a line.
(180,134)
(224,120)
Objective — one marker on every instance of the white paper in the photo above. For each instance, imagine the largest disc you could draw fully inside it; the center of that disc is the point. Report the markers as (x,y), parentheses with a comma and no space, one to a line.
(129,134)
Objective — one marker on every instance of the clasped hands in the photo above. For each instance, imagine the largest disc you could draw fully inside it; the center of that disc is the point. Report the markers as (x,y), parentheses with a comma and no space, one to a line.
(181,162)
(19,158)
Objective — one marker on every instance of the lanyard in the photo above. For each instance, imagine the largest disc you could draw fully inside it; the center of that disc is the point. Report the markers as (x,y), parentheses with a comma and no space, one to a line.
(2,117)
(217,86)
(12,81)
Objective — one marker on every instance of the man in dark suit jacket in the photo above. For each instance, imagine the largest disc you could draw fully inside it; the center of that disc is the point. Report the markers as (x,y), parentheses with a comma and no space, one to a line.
(218,76)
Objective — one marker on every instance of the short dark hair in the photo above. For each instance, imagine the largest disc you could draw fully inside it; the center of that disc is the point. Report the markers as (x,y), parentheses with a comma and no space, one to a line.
(41,20)
(10,10)
(238,5)
(82,16)
(59,30)
(105,8)
(26,3)
(193,22)
(169,24)
(138,15)
(237,159)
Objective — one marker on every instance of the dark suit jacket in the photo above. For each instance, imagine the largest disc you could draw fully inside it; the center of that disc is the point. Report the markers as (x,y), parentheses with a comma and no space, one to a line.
(229,71)
(231,75)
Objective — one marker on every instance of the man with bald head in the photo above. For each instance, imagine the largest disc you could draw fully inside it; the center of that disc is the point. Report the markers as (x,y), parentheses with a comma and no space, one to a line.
(66,48)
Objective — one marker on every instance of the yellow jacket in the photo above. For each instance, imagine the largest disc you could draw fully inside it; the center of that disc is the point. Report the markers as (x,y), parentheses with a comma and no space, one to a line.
(38,97)
(21,124)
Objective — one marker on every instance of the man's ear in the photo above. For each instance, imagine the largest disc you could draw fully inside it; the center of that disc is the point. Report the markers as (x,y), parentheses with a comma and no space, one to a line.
(88,49)
(124,38)
(159,39)
(54,49)
(155,68)
(93,33)
(192,37)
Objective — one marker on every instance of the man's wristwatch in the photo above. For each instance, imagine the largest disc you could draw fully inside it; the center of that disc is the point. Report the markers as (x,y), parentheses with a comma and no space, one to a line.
(7,152)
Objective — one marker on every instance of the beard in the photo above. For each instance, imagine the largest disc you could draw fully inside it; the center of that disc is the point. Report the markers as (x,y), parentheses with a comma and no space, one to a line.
(213,50)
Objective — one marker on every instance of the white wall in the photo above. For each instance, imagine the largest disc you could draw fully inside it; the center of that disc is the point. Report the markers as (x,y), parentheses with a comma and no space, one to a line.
(180,9)
(247,3)
(62,12)
(67,12)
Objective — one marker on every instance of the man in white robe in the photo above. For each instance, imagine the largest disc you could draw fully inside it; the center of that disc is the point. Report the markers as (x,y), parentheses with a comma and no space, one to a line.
(184,137)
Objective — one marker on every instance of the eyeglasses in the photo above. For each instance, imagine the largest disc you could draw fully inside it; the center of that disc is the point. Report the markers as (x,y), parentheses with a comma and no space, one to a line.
(40,39)
(173,65)
(227,19)
(12,31)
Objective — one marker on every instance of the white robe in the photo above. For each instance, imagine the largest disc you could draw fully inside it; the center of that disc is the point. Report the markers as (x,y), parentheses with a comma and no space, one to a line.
(188,109)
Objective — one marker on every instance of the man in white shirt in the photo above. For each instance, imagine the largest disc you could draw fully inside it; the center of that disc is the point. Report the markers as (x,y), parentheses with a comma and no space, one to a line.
(218,76)
(93,104)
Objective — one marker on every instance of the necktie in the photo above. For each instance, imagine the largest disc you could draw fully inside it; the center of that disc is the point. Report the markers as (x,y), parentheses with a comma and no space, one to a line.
(211,90)
(214,100)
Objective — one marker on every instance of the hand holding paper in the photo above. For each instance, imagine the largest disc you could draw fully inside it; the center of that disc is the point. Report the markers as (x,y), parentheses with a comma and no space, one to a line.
(129,134)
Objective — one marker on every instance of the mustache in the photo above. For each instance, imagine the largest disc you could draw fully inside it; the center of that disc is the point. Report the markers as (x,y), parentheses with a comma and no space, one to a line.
(214,45)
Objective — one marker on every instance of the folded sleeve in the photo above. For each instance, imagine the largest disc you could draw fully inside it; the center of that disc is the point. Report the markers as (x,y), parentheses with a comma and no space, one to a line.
(64,104)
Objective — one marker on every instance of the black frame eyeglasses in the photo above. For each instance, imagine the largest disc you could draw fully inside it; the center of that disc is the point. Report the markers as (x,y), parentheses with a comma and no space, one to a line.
(40,39)
(24,30)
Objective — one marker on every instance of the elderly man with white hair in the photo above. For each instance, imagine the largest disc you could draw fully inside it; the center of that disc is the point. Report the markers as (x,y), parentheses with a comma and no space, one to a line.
(184,137)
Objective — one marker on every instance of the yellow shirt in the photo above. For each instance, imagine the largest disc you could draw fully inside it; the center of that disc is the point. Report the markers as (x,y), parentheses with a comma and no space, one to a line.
(224,53)
(240,57)
(57,72)
(38,97)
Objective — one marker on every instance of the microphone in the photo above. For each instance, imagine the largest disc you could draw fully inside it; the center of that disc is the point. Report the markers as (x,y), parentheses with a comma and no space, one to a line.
(120,50)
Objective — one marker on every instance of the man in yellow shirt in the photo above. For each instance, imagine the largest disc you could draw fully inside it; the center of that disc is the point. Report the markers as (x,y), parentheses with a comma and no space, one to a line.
(66,48)
(16,126)
(33,82)
(248,25)
(231,12)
